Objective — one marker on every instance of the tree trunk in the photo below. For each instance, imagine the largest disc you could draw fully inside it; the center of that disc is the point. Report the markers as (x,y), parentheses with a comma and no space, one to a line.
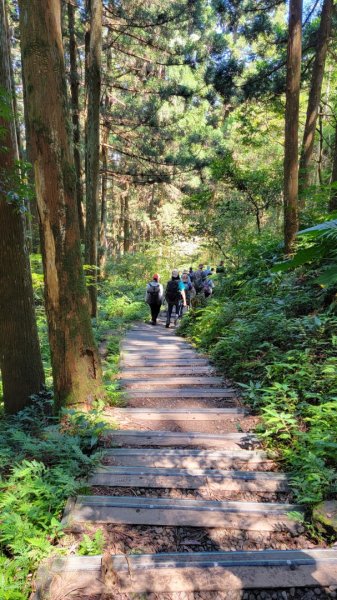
(20,358)
(75,106)
(126,224)
(323,38)
(121,224)
(320,147)
(92,149)
(75,362)
(291,124)
(34,242)
(333,193)
(103,225)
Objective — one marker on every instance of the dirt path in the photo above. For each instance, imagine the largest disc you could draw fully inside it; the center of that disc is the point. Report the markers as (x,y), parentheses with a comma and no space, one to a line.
(189,504)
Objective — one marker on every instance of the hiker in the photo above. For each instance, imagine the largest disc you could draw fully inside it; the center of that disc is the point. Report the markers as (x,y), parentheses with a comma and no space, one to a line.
(191,274)
(208,287)
(189,288)
(221,267)
(175,293)
(199,279)
(154,297)
(185,272)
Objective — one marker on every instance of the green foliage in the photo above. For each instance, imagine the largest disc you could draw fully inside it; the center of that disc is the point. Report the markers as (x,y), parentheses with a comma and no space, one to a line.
(90,546)
(275,333)
(318,247)
(44,460)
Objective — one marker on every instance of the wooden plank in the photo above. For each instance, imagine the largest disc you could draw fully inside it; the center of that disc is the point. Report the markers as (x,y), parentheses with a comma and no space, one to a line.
(157,362)
(178,414)
(182,439)
(164,371)
(159,351)
(152,477)
(152,345)
(187,459)
(195,393)
(172,381)
(248,516)
(190,572)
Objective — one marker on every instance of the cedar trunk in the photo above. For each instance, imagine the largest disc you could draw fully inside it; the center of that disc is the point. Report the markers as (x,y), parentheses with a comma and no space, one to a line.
(75,107)
(20,358)
(333,194)
(291,124)
(75,362)
(323,38)
(92,146)
(103,246)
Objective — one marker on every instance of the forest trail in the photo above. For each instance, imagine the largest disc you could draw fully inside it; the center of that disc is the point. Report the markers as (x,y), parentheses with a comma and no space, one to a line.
(190,505)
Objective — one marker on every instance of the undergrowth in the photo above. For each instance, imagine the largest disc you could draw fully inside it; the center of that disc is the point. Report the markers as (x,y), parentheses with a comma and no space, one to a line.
(276,335)
(43,461)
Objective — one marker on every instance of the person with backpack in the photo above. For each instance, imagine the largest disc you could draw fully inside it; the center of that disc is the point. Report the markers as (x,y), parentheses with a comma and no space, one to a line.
(191,274)
(174,294)
(199,279)
(189,288)
(154,297)
(208,287)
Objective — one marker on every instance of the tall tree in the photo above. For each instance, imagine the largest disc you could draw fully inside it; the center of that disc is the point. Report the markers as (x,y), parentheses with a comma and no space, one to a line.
(323,36)
(75,362)
(75,106)
(333,193)
(294,55)
(92,144)
(20,358)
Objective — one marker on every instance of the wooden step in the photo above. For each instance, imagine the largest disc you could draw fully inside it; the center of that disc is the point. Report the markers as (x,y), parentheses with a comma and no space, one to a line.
(172,382)
(164,371)
(178,414)
(248,516)
(158,350)
(187,459)
(183,393)
(154,346)
(189,572)
(178,439)
(158,362)
(153,477)
(158,353)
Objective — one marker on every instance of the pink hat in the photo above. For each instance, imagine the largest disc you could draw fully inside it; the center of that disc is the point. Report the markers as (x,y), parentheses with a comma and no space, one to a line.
(155,276)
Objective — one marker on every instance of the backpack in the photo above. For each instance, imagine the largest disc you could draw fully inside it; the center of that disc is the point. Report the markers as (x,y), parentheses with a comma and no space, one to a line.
(188,289)
(153,294)
(207,289)
(173,294)
(199,281)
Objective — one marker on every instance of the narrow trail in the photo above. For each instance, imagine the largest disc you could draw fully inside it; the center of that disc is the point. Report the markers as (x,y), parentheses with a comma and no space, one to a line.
(190,505)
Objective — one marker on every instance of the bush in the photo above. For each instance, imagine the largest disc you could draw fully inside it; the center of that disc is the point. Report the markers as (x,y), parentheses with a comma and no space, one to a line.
(276,335)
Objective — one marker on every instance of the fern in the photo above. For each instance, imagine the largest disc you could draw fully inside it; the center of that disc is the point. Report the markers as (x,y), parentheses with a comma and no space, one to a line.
(43,462)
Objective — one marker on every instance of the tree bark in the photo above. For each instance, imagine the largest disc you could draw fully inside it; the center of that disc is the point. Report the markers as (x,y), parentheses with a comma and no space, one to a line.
(103,246)
(93,144)
(323,38)
(34,245)
(333,193)
(75,106)
(291,124)
(20,358)
(75,362)
(126,224)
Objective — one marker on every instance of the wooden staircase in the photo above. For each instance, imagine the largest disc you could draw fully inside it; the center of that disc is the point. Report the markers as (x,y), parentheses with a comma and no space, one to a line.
(163,445)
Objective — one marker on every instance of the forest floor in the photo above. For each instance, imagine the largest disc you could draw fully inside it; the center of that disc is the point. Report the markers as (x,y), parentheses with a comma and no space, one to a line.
(186,443)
